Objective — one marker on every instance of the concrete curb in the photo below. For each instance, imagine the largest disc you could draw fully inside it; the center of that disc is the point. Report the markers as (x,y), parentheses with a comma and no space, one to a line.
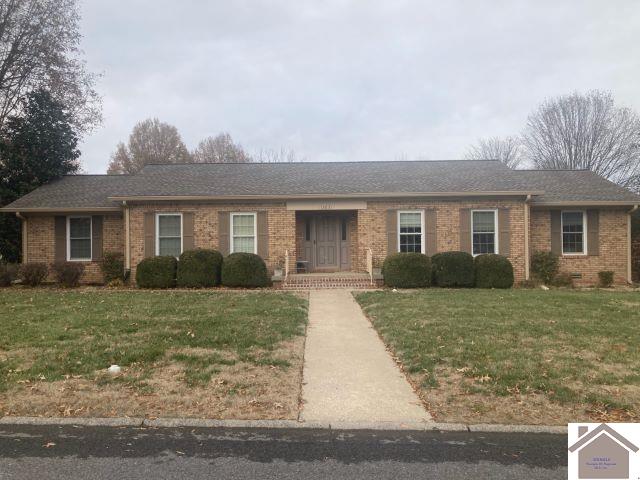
(278,424)
(85,422)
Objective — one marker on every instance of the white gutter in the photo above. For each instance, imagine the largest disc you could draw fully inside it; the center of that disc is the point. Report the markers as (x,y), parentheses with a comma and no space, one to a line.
(527,258)
(629,270)
(154,198)
(127,239)
(585,203)
(25,237)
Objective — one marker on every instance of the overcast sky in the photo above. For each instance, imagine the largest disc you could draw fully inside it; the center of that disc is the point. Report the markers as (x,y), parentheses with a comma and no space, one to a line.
(350,80)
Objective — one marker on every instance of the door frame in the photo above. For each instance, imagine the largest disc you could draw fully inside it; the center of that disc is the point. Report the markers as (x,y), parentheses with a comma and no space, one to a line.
(311,244)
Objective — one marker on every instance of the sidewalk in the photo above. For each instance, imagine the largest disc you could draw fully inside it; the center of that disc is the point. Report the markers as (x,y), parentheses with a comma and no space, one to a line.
(348,376)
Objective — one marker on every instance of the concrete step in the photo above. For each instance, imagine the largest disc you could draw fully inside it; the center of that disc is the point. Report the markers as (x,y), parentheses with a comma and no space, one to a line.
(309,282)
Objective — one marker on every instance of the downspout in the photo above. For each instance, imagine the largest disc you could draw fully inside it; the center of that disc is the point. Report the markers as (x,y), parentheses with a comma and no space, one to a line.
(127,241)
(527,260)
(629,270)
(24,237)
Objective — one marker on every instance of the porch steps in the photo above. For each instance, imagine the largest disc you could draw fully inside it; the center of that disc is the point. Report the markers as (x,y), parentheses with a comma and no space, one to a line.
(352,281)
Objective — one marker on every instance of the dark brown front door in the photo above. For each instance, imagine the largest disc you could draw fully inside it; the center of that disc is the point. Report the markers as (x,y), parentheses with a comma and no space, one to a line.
(326,242)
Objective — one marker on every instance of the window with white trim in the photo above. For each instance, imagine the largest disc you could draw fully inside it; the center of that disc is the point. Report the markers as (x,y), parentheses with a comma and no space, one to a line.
(410,235)
(484,227)
(169,234)
(79,238)
(243,233)
(573,229)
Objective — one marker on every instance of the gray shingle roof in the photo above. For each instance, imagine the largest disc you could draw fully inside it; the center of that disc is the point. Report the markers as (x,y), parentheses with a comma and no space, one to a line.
(335,178)
(74,191)
(574,186)
(309,179)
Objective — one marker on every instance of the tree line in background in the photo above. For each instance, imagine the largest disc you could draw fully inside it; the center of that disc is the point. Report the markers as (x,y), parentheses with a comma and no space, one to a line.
(47,102)
(574,132)
(153,141)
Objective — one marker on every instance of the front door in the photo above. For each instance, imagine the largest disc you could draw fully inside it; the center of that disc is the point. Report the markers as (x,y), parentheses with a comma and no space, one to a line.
(326,255)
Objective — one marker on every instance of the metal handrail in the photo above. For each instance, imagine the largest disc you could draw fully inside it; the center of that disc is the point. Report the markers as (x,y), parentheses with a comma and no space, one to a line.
(369,253)
(286,264)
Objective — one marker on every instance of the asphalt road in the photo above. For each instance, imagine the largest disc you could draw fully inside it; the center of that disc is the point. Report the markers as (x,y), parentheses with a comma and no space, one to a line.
(68,452)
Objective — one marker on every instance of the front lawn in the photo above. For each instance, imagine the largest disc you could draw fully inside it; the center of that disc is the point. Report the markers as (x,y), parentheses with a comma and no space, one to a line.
(516,356)
(200,353)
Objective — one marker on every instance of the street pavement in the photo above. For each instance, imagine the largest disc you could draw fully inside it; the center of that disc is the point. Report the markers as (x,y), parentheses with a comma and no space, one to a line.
(70,452)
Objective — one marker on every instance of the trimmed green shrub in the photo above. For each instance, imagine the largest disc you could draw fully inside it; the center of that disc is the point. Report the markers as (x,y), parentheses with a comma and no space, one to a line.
(452,269)
(244,270)
(33,273)
(157,272)
(68,273)
(493,271)
(199,268)
(545,266)
(407,270)
(112,267)
(605,278)
(562,279)
(8,273)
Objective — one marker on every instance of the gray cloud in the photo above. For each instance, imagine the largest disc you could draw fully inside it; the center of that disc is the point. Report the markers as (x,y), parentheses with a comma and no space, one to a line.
(350,80)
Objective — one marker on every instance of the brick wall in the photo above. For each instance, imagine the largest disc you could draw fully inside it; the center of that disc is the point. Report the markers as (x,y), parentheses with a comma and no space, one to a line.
(372,228)
(613,251)
(281,224)
(367,230)
(41,242)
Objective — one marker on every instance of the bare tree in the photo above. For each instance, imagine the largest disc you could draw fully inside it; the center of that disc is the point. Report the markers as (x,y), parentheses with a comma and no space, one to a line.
(586,132)
(151,141)
(39,49)
(283,155)
(220,149)
(508,150)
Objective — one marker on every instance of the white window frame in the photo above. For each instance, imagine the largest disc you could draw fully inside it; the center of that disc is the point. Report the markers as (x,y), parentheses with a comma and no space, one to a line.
(69,259)
(255,231)
(422,232)
(495,229)
(168,214)
(584,233)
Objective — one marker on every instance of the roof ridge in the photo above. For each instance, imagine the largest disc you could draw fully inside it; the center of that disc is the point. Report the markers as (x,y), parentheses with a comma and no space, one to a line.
(97,175)
(328,162)
(554,170)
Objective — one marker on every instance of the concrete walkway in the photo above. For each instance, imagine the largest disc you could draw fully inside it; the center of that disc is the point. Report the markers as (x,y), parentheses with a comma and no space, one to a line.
(348,376)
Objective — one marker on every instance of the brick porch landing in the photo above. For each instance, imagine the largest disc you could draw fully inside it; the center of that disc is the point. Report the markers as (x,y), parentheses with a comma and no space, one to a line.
(312,281)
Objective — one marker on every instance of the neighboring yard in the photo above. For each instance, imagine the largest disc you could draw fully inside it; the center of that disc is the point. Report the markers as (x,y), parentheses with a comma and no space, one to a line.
(200,354)
(516,356)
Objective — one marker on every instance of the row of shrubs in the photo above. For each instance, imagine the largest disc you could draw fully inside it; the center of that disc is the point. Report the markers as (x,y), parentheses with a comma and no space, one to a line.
(448,270)
(67,274)
(202,268)
(545,269)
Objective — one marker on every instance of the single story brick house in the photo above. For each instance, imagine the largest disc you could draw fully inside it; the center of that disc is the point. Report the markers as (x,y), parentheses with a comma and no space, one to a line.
(333,217)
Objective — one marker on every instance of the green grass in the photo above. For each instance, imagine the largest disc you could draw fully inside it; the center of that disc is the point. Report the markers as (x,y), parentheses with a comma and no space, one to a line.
(567,345)
(48,334)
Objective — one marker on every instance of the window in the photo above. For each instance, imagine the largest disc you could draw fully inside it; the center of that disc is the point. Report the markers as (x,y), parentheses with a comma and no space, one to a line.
(344,229)
(484,228)
(243,232)
(79,238)
(169,234)
(410,232)
(573,228)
